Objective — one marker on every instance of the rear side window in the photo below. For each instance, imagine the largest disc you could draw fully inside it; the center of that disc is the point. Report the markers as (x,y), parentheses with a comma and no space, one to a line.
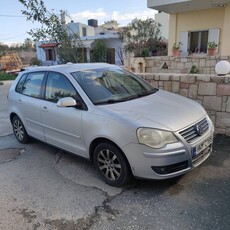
(58,86)
(33,84)
(20,84)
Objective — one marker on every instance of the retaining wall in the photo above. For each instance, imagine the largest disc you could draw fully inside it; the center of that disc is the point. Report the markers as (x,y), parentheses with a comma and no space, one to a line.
(211,91)
(169,64)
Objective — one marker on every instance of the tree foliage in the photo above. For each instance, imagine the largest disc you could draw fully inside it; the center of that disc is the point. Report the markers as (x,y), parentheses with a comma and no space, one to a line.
(100,51)
(52,30)
(141,36)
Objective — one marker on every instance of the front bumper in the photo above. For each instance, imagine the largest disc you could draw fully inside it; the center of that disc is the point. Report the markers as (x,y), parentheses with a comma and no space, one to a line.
(171,161)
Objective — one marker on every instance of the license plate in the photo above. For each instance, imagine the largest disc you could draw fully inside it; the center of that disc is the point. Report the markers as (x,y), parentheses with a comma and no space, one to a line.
(197,149)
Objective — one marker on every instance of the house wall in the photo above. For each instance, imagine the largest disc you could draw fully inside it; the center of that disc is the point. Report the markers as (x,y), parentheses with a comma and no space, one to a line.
(163,19)
(202,20)
(74,27)
(211,91)
(41,55)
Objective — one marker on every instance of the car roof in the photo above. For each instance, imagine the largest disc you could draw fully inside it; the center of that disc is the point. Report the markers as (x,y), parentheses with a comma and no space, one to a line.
(70,67)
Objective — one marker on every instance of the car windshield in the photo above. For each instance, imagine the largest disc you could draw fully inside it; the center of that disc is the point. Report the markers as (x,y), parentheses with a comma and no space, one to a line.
(112,85)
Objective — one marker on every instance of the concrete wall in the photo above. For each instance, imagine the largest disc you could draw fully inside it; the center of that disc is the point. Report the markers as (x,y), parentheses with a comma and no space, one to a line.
(211,91)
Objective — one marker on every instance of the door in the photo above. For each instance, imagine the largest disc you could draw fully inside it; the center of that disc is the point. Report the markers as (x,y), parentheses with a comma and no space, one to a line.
(62,125)
(30,104)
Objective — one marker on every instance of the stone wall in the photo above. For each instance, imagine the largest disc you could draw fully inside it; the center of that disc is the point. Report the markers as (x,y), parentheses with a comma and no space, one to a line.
(211,91)
(168,64)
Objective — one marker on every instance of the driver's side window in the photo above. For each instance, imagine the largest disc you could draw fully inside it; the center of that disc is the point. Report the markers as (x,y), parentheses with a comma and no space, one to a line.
(58,86)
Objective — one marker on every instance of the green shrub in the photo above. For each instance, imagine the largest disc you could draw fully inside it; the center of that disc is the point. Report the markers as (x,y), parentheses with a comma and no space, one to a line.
(194,70)
(7,76)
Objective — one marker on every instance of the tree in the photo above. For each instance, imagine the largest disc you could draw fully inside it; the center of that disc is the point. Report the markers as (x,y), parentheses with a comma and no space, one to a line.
(3,48)
(52,30)
(141,36)
(28,44)
(100,51)
(111,22)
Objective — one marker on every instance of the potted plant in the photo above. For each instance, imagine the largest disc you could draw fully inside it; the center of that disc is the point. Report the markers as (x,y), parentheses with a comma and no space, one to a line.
(212,48)
(176,49)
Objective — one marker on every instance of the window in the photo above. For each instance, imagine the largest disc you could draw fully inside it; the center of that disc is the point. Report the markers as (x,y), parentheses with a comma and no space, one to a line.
(198,41)
(112,85)
(58,86)
(50,55)
(32,85)
(84,31)
(20,84)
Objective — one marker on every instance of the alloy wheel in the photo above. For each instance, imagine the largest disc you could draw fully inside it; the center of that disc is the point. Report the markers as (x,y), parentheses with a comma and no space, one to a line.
(109,164)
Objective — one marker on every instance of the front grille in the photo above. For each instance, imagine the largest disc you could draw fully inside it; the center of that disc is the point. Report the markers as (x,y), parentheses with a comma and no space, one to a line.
(162,170)
(190,134)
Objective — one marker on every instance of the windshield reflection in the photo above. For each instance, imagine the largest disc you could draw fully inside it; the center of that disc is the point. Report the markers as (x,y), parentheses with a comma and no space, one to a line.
(112,85)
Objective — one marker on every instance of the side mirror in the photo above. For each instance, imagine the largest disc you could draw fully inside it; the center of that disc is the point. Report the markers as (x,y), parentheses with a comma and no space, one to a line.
(66,102)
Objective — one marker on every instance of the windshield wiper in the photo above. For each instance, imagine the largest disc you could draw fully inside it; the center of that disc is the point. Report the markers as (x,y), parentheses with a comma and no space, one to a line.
(146,93)
(111,101)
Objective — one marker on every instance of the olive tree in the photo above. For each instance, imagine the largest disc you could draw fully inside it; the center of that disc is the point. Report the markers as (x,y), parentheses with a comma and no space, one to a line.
(52,30)
(141,36)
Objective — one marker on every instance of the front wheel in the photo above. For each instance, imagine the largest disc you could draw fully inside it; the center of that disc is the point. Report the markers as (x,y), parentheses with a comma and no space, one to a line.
(19,130)
(111,164)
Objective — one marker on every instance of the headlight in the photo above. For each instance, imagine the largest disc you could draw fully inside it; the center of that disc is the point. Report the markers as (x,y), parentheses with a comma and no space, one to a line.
(155,138)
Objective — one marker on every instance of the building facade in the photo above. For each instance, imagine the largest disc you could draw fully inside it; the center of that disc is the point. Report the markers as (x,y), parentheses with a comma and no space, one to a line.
(195,23)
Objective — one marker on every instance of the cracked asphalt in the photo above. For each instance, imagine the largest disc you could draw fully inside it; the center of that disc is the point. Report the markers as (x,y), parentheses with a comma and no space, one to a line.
(44,188)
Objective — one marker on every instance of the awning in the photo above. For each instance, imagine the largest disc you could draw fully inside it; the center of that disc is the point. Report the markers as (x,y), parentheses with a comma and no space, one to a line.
(48,45)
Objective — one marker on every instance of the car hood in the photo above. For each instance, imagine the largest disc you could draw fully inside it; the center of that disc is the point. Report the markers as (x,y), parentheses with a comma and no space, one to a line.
(162,110)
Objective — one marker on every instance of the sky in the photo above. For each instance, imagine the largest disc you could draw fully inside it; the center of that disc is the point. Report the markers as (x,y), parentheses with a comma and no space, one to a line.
(14,26)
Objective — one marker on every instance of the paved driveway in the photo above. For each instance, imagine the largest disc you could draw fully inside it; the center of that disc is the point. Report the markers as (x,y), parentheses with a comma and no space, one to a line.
(45,188)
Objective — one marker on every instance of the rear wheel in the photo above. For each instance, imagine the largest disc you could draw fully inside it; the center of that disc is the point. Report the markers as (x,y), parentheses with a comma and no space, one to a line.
(111,164)
(19,130)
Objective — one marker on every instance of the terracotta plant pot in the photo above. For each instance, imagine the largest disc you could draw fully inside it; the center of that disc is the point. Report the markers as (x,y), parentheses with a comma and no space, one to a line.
(211,51)
(176,53)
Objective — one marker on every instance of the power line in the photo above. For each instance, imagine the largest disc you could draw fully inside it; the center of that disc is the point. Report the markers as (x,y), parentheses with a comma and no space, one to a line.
(13,37)
(12,16)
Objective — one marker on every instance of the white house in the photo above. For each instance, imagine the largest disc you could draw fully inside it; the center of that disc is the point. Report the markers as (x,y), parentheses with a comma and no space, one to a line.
(48,55)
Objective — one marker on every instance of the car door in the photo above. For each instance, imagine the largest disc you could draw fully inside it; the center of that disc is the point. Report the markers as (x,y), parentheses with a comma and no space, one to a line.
(62,125)
(29,103)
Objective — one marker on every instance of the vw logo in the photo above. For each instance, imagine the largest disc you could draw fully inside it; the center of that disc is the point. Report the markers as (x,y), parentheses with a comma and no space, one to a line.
(199,130)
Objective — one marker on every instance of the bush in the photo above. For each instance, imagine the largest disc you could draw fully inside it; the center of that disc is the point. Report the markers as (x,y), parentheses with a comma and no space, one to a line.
(7,76)
(194,70)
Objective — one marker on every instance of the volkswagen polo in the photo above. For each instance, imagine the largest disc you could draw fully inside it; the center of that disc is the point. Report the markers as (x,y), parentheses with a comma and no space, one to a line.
(104,113)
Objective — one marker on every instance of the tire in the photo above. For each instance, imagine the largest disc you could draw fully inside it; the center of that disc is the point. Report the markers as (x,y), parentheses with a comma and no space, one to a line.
(111,164)
(19,130)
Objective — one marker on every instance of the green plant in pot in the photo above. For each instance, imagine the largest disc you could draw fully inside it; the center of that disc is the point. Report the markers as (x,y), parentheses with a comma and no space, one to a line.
(212,48)
(176,49)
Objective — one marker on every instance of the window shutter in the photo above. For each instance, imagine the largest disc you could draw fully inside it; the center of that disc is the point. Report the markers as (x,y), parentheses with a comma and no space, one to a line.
(184,40)
(214,36)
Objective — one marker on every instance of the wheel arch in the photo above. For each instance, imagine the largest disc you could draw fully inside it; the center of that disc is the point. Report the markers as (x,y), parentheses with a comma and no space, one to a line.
(99,140)
(12,115)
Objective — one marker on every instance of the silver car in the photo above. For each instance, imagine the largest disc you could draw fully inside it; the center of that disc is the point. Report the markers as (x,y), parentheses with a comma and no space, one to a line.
(112,117)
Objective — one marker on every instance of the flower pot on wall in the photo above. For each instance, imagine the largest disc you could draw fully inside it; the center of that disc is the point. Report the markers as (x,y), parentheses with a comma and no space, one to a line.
(176,53)
(211,51)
